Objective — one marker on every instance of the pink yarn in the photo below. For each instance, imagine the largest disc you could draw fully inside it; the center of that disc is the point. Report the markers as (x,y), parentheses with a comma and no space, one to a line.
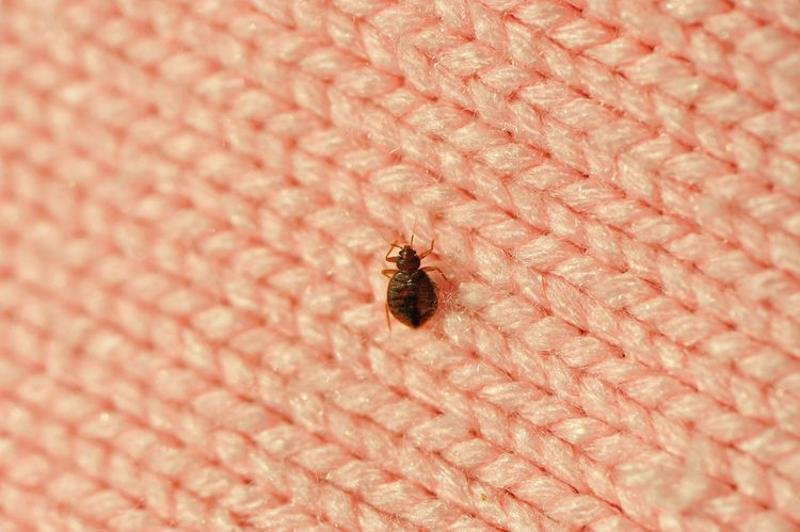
(196,197)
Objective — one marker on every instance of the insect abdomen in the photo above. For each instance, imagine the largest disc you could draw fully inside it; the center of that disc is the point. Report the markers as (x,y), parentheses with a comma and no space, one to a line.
(411,297)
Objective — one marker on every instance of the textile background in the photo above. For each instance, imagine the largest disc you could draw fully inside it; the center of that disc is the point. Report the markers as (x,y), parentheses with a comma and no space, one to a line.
(196,197)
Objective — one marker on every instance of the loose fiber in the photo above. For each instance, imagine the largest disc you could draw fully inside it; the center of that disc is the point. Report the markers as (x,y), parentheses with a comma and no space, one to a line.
(195,200)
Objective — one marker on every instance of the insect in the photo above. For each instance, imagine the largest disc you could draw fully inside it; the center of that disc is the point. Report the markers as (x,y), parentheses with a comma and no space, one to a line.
(411,295)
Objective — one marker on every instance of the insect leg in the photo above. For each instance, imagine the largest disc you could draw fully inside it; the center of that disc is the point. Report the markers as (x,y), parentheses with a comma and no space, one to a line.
(388,321)
(388,273)
(427,252)
(434,269)
(388,258)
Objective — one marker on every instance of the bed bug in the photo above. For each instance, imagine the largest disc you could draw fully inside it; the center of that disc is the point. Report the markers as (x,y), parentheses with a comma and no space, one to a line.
(411,295)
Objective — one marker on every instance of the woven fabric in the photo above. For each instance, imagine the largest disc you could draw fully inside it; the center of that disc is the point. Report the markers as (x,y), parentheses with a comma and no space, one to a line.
(196,197)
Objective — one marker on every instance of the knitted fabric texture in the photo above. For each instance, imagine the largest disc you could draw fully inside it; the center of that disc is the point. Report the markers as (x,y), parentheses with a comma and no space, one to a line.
(196,197)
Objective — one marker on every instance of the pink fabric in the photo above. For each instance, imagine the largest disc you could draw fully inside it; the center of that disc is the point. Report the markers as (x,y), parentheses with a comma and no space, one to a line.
(195,201)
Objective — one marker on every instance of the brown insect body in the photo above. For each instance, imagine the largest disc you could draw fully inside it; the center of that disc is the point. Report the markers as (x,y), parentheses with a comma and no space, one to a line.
(411,295)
